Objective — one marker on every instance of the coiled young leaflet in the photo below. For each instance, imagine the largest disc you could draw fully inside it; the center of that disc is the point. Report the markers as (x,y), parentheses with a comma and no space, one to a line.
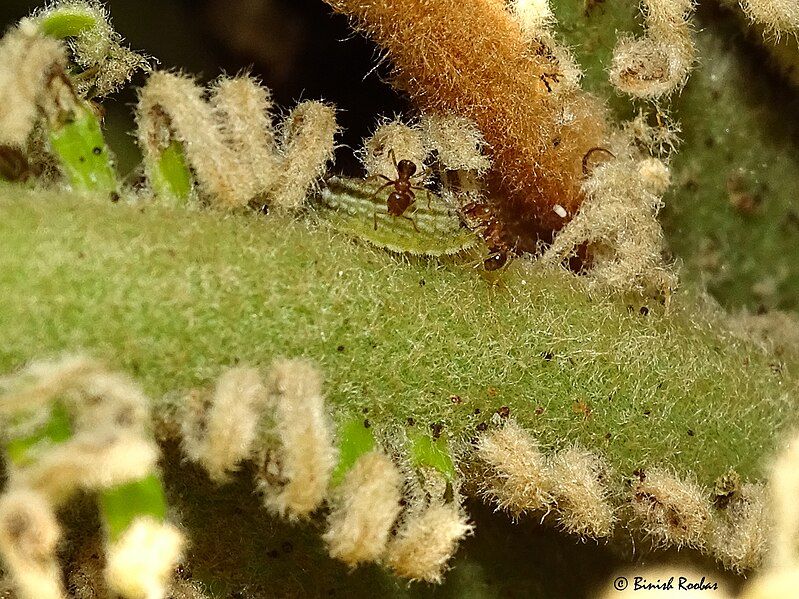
(428,228)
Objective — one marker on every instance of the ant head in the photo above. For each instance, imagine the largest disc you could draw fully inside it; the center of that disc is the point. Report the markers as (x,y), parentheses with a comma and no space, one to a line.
(406,168)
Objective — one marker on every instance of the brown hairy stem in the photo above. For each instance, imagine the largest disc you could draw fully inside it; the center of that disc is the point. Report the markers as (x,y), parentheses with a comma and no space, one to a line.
(470,57)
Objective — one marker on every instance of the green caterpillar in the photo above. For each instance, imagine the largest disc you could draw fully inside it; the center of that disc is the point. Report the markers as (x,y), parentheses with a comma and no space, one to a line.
(429,228)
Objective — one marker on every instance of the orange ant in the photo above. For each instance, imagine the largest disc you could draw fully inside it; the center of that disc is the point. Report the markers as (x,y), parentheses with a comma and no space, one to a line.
(402,197)
(480,217)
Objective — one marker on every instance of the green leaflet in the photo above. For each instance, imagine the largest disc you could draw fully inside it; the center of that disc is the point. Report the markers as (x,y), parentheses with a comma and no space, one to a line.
(82,152)
(432,453)
(57,429)
(121,505)
(63,22)
(170,176)
(355,439)
(429,227)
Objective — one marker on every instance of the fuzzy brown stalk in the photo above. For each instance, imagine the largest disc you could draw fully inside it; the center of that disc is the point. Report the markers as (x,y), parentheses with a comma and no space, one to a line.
(472,58)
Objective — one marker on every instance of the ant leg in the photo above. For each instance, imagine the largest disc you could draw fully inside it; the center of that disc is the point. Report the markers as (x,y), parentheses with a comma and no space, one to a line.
(379,189)
(413,222)
(422,173)
(419,188)
(379,176)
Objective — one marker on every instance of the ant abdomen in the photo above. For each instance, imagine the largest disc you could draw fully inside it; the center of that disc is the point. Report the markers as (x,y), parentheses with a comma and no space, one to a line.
(398,203)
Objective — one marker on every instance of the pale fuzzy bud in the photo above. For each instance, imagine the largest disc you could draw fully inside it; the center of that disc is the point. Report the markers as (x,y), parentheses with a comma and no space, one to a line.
(517,479)
(673,511)
(569,71)
(659,62)
(244,112)
(364,509)
(295,475)
(27,60)
(391,142)
(618,222)
(29,536)
(140,563)
(94,396)
(739,538)
(172,106)
(655,175)
(427,540)
(777,16)
(661,137)
(457,141)
(110,400)
(307,144)
(221,435)
(105,62)
(40,382)
(92,459)
(534,16)
(537,21)
(578,477)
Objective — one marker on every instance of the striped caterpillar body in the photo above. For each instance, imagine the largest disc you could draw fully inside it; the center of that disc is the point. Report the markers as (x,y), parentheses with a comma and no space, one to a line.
(430,227)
